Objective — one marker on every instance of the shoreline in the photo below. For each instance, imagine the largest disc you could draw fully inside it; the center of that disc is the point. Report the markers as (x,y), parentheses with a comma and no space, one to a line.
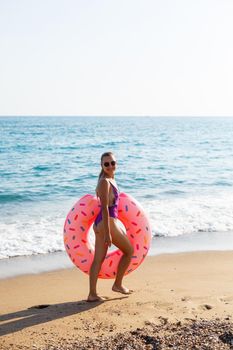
(40,263)
(50,308)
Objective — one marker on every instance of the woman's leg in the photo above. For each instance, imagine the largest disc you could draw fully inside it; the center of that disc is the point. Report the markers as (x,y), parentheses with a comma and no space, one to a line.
(100,253)
(121,241)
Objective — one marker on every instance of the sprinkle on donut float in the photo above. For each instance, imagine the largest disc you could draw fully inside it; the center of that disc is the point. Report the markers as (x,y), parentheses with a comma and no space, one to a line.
(81,218)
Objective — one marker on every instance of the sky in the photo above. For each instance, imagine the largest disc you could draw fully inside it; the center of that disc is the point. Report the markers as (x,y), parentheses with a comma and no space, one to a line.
(116,57)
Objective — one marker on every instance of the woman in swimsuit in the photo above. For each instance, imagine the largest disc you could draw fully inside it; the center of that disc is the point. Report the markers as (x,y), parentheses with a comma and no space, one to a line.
(107,230)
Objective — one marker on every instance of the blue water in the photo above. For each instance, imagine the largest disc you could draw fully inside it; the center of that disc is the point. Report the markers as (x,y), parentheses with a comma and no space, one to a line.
(180,169)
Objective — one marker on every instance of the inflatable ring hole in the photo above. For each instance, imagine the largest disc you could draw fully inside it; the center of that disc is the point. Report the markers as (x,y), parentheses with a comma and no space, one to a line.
(91,238)
(113,248)
(91,241)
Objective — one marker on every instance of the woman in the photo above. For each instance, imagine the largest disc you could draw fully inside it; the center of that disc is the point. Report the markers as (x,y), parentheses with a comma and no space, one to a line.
(107,230)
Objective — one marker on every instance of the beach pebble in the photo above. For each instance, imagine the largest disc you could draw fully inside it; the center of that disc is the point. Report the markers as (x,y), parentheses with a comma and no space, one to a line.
(193,334)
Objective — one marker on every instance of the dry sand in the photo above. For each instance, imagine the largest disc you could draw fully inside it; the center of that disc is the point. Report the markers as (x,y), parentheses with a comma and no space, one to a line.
(49,310)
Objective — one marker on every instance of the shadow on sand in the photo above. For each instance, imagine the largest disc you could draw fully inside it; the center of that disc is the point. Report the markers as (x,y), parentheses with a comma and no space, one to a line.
(39,314)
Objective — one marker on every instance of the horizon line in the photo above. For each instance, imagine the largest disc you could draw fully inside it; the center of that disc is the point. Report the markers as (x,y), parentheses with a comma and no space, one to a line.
(114,116)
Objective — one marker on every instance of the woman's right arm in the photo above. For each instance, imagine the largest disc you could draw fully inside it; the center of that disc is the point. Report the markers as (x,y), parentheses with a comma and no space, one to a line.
(103,192)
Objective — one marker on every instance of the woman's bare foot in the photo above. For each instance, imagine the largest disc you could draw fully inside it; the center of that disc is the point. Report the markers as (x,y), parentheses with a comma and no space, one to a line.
(94,297)
(121,289)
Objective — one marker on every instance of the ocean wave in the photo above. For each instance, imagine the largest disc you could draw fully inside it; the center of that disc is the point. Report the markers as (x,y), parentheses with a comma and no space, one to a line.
(69,148)
(185,215)
(43,167)
(26,232)
(171,192)
(11,197)
(224,183)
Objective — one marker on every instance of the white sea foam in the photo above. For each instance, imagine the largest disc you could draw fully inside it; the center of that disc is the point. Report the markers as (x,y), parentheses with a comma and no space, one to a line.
(35,230)
(200,213)
(39,229)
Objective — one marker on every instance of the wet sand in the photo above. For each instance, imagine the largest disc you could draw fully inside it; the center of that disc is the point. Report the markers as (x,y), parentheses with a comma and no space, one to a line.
(174,294)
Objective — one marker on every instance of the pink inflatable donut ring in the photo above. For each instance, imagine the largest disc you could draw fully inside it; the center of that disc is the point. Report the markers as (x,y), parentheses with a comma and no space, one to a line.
(79,221)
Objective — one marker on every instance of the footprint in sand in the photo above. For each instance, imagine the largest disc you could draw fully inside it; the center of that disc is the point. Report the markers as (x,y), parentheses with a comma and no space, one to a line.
(206,307)
(186,298)
(226,300)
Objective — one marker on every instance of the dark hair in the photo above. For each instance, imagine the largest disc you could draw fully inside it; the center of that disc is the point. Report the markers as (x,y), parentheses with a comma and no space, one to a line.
(106,154)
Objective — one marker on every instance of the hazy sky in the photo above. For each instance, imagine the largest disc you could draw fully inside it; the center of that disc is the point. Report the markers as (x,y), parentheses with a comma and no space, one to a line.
(123,57)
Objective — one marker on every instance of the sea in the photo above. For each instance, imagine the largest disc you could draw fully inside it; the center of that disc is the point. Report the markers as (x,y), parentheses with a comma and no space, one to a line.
(179,169)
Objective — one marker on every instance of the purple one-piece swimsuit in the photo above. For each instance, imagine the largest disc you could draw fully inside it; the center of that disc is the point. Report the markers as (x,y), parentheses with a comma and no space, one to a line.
(113,210)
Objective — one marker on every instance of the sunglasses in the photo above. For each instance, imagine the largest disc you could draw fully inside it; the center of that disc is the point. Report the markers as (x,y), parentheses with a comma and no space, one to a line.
(107,164)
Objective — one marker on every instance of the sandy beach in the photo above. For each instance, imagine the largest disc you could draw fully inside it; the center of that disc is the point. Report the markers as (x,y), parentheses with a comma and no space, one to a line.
(171,292)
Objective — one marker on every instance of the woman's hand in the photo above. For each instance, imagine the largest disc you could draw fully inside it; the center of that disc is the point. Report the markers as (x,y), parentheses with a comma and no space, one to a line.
(108,240)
